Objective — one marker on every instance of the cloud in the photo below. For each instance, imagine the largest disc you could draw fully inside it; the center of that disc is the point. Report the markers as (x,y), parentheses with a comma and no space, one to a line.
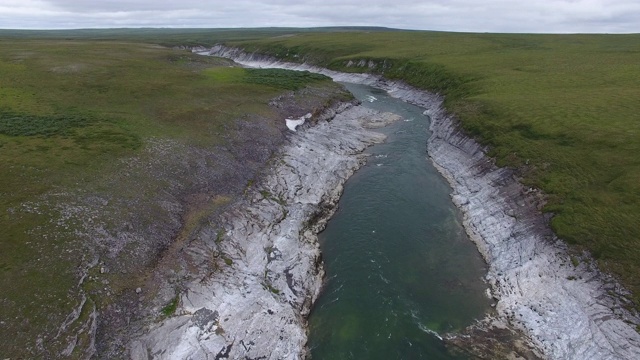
(547,16)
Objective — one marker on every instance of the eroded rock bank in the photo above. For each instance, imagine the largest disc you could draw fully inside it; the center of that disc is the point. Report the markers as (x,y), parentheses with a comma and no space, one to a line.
(566,308)
(131,223)
(254,272)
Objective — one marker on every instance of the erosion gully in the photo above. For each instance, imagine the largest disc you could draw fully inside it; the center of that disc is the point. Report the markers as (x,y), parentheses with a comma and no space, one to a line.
(400,269)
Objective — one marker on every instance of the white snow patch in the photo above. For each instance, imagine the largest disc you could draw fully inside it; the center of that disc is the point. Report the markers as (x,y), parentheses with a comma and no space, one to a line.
(292,124)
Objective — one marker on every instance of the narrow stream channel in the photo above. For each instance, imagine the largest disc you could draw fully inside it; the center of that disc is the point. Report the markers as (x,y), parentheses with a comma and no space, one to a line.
(400,268)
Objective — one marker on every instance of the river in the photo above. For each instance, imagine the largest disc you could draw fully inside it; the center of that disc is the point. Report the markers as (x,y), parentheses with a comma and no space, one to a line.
(400,267)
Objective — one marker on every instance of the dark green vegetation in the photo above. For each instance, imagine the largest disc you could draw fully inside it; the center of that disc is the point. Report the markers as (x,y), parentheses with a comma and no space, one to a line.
(275,78)
(171,307)
(14,124)
(71,113)
(562,109)
(282,78)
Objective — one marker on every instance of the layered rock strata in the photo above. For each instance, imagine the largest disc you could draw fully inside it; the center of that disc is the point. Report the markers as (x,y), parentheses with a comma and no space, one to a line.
(566,308)
(255,273)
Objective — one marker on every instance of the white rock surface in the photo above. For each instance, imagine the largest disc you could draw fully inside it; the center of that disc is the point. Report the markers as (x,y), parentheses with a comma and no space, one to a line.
(568,312)
(257,281)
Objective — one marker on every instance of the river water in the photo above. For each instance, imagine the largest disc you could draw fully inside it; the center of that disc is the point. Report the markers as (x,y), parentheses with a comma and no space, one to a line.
(400,268)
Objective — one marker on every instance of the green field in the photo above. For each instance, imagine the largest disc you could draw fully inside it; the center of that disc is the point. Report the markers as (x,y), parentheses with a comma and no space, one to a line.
(76,116)
(562,109)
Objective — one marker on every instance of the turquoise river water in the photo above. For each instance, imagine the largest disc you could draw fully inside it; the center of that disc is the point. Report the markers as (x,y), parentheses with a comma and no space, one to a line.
(400,268)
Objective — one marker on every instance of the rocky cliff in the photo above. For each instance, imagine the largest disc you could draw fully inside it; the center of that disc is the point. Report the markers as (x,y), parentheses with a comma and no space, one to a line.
(254,273)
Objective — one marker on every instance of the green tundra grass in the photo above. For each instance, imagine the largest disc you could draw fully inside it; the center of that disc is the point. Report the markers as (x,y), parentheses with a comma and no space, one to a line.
(69,110)
(563,109)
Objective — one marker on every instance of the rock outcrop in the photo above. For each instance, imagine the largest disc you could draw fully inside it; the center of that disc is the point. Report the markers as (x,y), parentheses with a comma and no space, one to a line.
(254,274)
(566,308)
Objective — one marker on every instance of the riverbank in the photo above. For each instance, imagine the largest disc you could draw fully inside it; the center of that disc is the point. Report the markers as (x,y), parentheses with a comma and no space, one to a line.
(254,273)
(565,307)
(99,184)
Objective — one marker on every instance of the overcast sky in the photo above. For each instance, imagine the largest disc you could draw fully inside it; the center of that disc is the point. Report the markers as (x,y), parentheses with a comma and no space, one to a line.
(546,16)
